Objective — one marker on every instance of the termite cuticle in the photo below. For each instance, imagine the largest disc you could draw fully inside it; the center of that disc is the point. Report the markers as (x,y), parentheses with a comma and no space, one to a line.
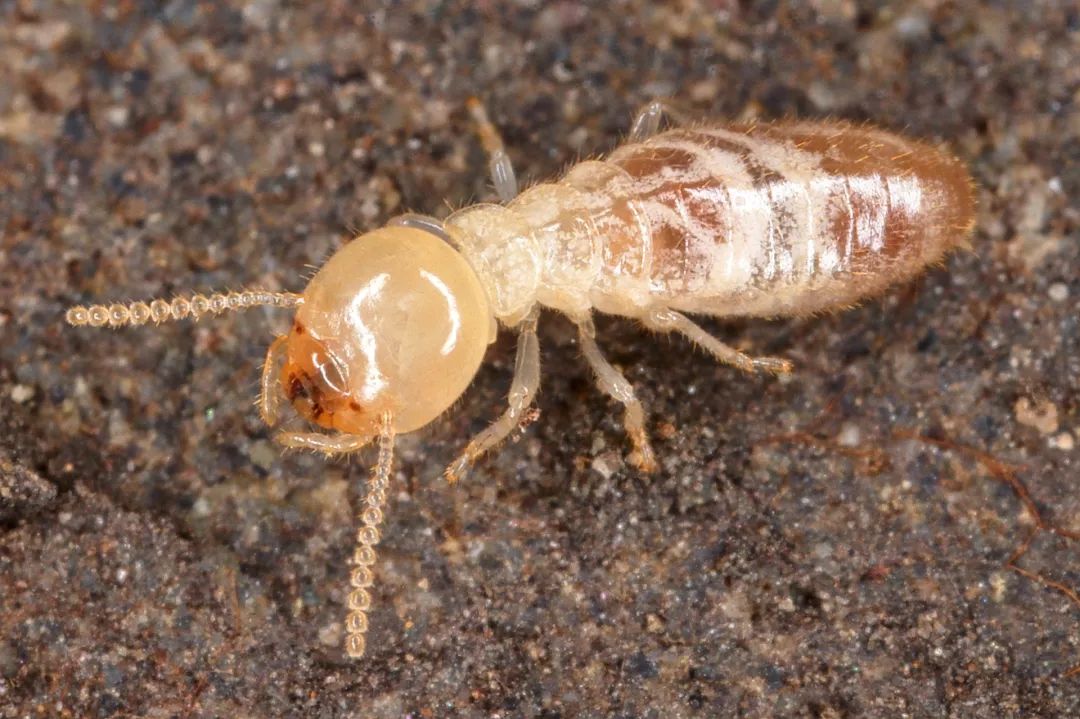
(759,220)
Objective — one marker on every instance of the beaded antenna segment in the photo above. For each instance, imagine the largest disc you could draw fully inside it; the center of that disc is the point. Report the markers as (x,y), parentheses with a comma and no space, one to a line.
(367,536)
(754,220)
(158,311)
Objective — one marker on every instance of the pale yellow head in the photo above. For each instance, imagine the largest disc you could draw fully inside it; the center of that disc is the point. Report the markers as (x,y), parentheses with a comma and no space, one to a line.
(395,321)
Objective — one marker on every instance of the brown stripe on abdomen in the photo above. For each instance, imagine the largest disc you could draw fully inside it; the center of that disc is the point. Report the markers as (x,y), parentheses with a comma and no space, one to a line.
(672,189)
(673,192)
(905,198)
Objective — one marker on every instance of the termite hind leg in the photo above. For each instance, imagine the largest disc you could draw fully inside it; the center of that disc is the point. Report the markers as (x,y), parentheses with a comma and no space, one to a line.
(269,390)
(328,444)
(647,120)
(502,169)
(613,383)
(664,320)
(522,391)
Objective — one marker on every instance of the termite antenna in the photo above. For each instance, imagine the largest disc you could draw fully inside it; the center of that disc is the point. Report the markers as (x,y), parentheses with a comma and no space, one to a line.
(371,516)
(159,310)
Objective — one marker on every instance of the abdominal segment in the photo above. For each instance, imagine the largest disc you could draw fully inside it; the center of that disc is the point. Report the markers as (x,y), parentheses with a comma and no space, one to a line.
(771,219)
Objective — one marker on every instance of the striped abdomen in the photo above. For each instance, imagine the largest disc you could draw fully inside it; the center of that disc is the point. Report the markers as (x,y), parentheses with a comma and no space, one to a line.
(766,219)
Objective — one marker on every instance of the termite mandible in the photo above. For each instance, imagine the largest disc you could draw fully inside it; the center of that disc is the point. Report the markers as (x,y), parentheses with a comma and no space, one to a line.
(759,220)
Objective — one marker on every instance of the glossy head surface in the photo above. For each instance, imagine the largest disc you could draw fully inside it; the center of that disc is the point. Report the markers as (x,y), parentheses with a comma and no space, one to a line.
(395,320)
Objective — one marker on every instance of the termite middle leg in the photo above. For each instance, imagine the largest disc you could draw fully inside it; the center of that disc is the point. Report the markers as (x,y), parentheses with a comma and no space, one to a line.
(613,383)
(669,320)
(502,170)
(522,391)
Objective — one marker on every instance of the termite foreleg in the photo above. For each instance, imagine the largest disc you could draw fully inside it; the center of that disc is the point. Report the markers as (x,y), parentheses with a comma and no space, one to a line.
(328,444)
(269,390)
(613,383)
(522,391)
(664,320)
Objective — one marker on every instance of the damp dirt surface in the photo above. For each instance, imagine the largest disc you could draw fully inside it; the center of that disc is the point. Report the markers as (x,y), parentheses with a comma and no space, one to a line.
(833,544)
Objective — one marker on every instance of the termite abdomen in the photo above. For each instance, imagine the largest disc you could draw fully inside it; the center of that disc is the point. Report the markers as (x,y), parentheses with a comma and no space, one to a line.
(778,219)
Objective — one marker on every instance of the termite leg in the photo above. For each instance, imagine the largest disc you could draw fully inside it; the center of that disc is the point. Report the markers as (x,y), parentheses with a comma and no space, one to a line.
(613,383)
(328,444)
(269,390)
(664,320)
(502,175)
(522,390)
(647,120)
(502,169)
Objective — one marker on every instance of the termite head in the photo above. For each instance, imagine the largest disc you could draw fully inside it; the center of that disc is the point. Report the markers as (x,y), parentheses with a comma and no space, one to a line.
(396,321)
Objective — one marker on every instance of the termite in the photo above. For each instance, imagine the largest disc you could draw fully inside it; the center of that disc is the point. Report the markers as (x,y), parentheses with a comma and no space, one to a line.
(761,220)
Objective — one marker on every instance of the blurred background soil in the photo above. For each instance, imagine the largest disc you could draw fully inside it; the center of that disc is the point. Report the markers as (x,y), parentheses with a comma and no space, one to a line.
(830,545)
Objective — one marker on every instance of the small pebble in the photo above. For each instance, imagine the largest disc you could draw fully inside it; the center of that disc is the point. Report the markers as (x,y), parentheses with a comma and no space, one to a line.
(1059,292)
(605,464)
(263,454)
(1064,441)
(998,584)
(117,116)
(330,634)
(850,435)
(1042,414)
